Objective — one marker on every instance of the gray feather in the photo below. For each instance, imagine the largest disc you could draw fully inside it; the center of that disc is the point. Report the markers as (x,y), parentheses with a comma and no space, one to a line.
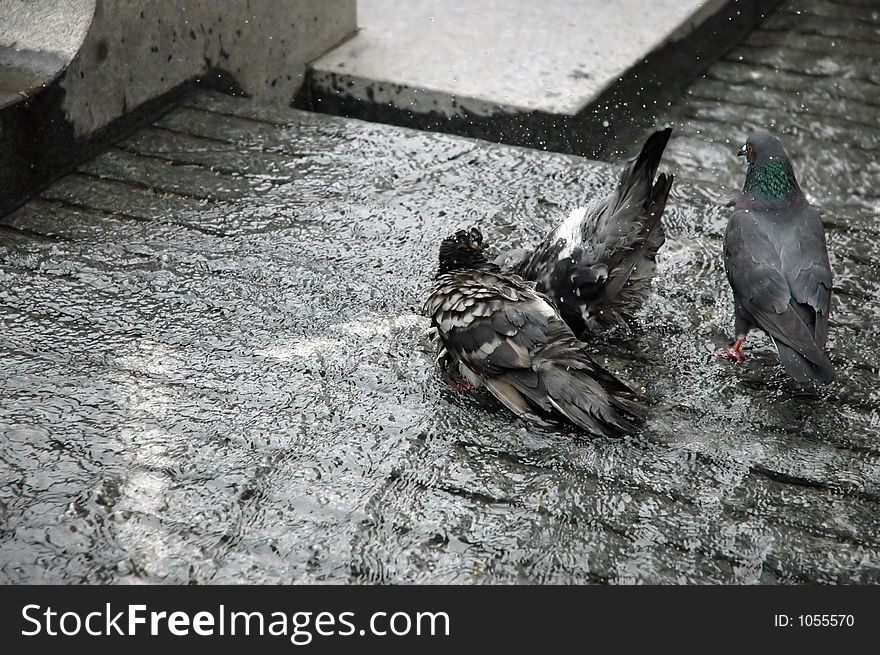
(515,342)
(598,264)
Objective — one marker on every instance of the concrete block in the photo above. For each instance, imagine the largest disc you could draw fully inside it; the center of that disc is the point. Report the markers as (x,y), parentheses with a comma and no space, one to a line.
(559,75)
(88,70)
(38,38)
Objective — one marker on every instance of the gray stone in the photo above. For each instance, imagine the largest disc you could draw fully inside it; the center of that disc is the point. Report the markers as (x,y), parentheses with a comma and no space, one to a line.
(77,74)
(560,75)
(55,27)
(38,38)
(135,53)
(554,56)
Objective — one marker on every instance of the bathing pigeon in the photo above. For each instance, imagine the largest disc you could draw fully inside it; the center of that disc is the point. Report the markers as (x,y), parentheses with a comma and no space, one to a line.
(777,264)
(597,264)
(504,335)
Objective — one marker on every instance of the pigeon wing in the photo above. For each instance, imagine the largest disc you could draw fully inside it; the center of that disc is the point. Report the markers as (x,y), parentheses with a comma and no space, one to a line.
(804,258)
(754,270)
(511,337)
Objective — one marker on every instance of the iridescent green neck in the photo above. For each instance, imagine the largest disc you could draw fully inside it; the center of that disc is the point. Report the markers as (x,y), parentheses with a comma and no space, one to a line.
(772,178)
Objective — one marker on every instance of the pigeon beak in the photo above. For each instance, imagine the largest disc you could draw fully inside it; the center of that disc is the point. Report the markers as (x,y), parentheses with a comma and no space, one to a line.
(741,152)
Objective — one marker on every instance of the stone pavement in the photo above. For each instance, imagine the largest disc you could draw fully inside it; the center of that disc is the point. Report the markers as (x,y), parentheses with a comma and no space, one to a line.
(216,370)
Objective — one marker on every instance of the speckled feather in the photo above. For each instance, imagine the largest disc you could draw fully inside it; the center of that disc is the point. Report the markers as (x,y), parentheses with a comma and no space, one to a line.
(506,336)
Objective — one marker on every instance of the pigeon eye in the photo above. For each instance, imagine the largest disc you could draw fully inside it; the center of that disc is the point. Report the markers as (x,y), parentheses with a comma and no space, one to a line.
(749,147)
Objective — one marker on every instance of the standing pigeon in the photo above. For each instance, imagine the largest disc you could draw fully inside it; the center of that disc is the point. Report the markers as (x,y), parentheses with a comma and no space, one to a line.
(777,264)
(504,335)
(597,265)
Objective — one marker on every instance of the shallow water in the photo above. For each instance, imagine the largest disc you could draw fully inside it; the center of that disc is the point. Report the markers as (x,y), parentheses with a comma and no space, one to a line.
(216,370)
(810,72)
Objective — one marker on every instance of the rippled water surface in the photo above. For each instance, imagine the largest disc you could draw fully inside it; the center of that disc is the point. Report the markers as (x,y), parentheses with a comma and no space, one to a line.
(216,370)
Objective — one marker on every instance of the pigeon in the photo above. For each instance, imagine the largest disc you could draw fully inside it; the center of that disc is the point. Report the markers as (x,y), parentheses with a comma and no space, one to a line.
(505,336)
(777,264)
(597,264)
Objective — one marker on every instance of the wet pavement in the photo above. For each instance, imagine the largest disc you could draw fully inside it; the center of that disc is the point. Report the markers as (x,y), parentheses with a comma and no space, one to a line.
(809,72)
(216,370)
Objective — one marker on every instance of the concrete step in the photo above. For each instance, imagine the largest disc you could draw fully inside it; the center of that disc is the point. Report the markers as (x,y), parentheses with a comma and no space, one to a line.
(216,370)
(24,73)
(38,39)
(557,75)
(77,75)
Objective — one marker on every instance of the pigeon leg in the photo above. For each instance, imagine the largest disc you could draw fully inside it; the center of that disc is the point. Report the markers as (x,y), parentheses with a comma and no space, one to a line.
(733,351)
(454,381)
(460,384)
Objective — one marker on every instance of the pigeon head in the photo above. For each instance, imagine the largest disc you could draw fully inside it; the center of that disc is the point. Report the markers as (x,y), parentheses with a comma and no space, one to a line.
(761,146)
(464,249)
(770,175)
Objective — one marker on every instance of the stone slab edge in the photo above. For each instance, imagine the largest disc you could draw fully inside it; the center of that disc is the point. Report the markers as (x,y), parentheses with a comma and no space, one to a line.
(604,128)
(137,60)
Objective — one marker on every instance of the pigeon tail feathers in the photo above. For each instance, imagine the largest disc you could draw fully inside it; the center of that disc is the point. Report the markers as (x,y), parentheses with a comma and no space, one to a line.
(801,369)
